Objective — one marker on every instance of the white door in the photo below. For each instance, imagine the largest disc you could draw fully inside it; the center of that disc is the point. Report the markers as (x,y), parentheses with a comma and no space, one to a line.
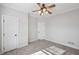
(10,32)
(41,30)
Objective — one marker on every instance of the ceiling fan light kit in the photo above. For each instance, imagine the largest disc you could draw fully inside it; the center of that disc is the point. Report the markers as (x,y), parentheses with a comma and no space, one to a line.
(39,12)
(46,12)
(44,9)
(43,12)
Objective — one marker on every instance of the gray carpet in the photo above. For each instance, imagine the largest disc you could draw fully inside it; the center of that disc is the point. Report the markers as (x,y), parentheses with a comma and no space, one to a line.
(39,45)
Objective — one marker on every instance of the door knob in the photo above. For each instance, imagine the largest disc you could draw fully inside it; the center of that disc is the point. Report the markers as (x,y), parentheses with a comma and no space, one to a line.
(15,34)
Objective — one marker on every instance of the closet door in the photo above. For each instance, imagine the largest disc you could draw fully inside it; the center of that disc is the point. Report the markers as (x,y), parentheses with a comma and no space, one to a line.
(10,33)
(41,30)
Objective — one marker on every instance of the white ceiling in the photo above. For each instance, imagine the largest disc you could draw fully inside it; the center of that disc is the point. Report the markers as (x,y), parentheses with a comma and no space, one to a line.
(29,7)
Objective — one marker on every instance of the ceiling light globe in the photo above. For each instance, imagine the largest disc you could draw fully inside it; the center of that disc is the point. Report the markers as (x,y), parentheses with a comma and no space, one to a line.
(39,11)
(44,10)
(42,14)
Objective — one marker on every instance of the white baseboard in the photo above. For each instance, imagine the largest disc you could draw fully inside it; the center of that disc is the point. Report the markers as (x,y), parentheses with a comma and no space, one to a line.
(33,40)
(65,44)
(22,45)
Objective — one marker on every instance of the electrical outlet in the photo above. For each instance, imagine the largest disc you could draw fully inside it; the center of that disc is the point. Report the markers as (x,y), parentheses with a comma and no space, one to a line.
(71,43)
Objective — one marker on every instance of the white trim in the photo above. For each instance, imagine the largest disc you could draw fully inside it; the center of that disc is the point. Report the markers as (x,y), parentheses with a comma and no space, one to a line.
(66,11)
(33,40)
(62,43)
(2,17)
(17,45)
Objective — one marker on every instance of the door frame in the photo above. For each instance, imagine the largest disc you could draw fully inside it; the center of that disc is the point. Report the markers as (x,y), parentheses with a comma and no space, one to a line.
(2,17)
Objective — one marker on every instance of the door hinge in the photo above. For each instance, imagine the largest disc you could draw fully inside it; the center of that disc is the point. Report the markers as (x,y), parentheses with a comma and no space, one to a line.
(3,20)
(3,34)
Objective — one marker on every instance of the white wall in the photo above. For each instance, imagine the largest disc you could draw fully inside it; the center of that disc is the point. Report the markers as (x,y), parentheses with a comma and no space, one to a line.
(64,28)
(0,32)
(36,29)
(23,23)
(32,28)
(23,31)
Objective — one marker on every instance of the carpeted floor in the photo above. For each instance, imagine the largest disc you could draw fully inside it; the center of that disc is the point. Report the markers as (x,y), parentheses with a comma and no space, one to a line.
(39,45)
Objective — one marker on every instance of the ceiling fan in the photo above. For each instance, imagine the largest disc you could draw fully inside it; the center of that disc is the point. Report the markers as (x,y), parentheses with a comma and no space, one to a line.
(44,9)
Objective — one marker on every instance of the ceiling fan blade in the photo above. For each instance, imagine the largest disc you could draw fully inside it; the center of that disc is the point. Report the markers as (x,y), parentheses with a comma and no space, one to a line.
(49,12)
(51,6)
(39,4)
(35,10)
